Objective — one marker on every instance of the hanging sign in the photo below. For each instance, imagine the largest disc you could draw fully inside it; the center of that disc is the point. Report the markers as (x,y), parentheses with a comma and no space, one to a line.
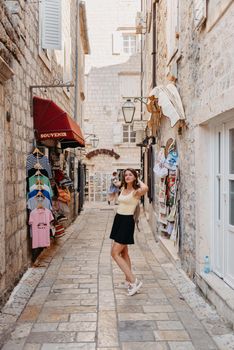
(97,152)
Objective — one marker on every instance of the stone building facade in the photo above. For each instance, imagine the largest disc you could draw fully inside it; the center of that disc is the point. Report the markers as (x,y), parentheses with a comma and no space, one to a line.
(24,63)
(112,72)
(194,50)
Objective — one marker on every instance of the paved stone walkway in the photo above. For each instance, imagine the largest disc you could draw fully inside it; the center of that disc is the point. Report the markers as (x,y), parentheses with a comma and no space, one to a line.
(75,298)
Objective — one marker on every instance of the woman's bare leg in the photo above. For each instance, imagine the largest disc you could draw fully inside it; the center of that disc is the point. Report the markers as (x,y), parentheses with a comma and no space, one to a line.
(126,257)
(116,253)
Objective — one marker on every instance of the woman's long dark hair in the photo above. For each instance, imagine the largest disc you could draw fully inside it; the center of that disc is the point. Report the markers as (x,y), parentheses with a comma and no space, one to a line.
(135,184)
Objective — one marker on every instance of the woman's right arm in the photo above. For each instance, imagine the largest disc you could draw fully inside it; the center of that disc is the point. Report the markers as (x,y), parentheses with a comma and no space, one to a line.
(142,190)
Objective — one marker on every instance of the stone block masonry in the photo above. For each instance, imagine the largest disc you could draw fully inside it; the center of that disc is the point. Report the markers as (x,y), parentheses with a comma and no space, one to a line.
(19,38)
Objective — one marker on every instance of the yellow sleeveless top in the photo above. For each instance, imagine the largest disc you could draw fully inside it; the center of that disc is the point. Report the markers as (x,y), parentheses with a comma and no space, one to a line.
(127,203)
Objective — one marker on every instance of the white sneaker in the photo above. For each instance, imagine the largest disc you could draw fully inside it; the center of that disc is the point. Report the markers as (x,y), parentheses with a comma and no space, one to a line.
(134,287)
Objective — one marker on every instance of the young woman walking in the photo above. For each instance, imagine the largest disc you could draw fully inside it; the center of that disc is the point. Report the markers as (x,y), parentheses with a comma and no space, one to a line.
(123,227)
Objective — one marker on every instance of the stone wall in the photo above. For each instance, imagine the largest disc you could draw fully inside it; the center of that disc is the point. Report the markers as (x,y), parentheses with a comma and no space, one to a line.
(19,47)
(205,79)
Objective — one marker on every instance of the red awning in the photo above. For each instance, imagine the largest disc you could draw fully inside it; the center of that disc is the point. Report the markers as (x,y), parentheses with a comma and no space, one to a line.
(51,122)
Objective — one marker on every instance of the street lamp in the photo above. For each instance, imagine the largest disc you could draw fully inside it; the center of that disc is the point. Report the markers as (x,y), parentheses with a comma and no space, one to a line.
(128,109)
(94,140)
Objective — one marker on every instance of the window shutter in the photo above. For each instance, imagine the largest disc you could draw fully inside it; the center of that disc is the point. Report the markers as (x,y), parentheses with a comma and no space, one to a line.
(51,24)
(172,28)
(138,44)
(117,134)
(116,43)
(199,12)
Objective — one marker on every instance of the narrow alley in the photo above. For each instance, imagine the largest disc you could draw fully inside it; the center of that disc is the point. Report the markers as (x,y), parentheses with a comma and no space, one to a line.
(75,298)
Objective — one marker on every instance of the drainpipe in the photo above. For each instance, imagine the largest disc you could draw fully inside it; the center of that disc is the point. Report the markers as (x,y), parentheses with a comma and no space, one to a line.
(141,91)
(76,62)
(76,88)
(141,67)
(154,38)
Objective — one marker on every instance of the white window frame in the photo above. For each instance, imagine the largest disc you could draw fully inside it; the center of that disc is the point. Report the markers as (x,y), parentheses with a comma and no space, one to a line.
(127,38)
(129,135)
(220,227)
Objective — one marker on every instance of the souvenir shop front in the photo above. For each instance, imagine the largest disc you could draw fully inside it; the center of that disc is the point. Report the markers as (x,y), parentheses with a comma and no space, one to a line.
(162,164)
(52,173)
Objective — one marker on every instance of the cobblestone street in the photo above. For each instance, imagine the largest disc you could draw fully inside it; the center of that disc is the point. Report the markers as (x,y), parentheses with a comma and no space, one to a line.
(75,298)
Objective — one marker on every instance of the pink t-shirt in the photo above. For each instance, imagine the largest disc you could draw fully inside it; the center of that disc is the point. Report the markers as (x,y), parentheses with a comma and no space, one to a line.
(40,220)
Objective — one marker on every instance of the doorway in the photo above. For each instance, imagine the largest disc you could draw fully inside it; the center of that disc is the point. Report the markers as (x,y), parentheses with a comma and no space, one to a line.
(98,186)
(223,240)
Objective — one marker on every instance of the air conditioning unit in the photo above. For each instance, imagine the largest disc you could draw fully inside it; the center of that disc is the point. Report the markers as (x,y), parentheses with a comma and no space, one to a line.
(140,23)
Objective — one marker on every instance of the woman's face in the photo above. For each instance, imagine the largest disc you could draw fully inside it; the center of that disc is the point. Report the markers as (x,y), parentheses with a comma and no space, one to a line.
(129,177)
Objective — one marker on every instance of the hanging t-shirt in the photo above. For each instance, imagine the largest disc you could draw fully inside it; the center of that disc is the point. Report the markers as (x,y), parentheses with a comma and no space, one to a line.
(32,172)
(43,161)
(41,187)
(40,220)
(33,180)
(35,192)
(33,203)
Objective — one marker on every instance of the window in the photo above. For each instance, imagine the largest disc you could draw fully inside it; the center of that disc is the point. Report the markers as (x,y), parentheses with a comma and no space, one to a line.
(124,43)
(129,43)
(129,136)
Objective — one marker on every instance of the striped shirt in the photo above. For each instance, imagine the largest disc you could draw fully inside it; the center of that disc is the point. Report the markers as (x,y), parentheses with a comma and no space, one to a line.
(34,161)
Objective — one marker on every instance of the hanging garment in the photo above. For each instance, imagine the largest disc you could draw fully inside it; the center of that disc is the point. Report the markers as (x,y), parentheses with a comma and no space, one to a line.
(34,161)
(40,220)
(162,192)
(40,187)
(33,203)
(58,175)
(64,195)
(35,192)
(32,172)
(171,161)
(33,181)
(159,168)
(171,189)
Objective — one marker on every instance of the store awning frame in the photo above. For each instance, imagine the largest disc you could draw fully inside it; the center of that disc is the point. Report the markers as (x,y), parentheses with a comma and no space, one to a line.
(52,122)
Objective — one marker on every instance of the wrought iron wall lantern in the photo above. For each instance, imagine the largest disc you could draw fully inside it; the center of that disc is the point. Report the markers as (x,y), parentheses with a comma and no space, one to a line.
(94,140)
(128,107)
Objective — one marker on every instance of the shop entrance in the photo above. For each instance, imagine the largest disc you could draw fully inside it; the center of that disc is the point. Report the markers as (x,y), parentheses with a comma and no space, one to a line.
(223,240)
(98,186)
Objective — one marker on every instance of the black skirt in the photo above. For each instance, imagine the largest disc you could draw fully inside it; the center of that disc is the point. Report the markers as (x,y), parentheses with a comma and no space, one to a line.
(123,229)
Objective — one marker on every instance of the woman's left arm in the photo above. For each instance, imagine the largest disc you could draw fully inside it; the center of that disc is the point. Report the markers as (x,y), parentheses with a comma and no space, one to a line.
(142,190)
